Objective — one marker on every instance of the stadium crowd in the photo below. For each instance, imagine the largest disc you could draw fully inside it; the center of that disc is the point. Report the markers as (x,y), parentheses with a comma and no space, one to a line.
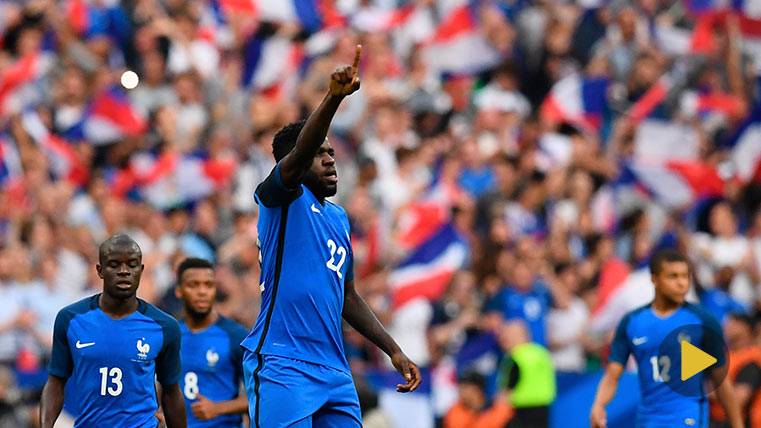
(563,142)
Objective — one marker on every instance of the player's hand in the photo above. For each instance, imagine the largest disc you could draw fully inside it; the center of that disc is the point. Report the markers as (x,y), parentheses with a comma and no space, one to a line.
(345,80)
(204,409)
(598,418)
(409,370)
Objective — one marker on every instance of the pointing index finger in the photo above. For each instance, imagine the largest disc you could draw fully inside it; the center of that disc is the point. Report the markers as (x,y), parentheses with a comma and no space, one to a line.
(357,54)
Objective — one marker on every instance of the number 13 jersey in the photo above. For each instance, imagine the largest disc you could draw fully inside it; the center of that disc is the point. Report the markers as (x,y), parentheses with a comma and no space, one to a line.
(306,257)
(111,363)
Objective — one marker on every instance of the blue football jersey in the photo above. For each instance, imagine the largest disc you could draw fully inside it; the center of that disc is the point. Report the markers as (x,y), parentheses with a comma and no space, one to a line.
(114,363)
(531,306)
(212,365)
(306,258)
(641,333)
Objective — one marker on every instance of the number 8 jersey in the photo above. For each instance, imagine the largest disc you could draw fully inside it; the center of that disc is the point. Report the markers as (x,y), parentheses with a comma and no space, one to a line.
(306,257)
(110,364)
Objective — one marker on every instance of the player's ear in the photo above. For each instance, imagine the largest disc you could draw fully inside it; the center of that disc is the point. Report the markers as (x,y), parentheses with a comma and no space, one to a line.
(99,268)
(177,293)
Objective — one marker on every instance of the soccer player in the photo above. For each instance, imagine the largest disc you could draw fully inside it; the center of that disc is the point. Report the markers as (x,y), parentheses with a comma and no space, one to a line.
(295,369)
(212,359)
(113,346)
(642,332)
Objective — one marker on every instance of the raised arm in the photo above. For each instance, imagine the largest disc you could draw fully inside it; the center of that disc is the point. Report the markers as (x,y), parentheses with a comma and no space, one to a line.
(361,317)
(52,401)
(344,81)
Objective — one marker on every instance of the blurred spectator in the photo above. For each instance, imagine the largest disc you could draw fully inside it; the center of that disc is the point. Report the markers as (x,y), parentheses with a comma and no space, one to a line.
(526,372)
(744,371)
(473,408)
(567,321)
(11,406)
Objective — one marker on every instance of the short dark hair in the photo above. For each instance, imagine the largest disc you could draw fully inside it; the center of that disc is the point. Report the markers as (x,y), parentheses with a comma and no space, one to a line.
(118,240)
(666,255)
(472,377)
(742,317)
(192,263)
(285,139)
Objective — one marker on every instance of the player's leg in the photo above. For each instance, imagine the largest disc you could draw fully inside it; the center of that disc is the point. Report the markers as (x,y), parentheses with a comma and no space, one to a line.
(280,392)
(342,409)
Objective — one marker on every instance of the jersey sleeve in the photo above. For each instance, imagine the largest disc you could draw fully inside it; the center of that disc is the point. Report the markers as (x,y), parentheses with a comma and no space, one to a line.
(168,367)
(619,349)
(61,364)
(273,193)
(236,333)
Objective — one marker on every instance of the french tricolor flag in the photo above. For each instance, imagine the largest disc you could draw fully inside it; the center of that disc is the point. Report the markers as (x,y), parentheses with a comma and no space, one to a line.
(269,62)
(10,163)
(666,165)
(313,15)
(746,148)
(172,179)
(428,269)
(64,160)
(111,117)
(457,46)
(696,103)
(650,100)
(15,77)
(577,100)
(376,19)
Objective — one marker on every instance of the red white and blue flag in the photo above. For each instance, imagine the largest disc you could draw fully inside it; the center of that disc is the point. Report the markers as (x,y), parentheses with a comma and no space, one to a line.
(426,272)
(15,81)
(10,163)
(270,63)
(64,160)
(110,117)
(577,100)
(172,179)
(745,146)
(457,38)
(312,15)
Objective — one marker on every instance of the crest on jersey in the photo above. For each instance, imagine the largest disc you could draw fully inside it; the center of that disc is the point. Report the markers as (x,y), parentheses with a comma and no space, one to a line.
(212,358)
(142,349)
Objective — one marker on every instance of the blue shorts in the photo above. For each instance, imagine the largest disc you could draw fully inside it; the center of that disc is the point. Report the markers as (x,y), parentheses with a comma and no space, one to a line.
(284,392)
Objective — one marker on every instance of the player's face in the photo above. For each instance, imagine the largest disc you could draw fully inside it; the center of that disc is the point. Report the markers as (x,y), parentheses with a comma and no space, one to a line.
(673,281)
(197,290)
(322,178)
(120,269)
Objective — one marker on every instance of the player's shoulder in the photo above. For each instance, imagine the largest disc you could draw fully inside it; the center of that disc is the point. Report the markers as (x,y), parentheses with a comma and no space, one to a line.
(79,307)
(706,318)
(232,328)
(634,314)
(160,317)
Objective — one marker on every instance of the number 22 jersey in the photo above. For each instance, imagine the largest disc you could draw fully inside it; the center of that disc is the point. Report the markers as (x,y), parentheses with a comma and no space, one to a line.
(306,258)
(110,364)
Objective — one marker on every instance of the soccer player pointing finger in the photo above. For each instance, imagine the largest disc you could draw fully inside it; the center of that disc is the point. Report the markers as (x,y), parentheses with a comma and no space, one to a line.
(295,370)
